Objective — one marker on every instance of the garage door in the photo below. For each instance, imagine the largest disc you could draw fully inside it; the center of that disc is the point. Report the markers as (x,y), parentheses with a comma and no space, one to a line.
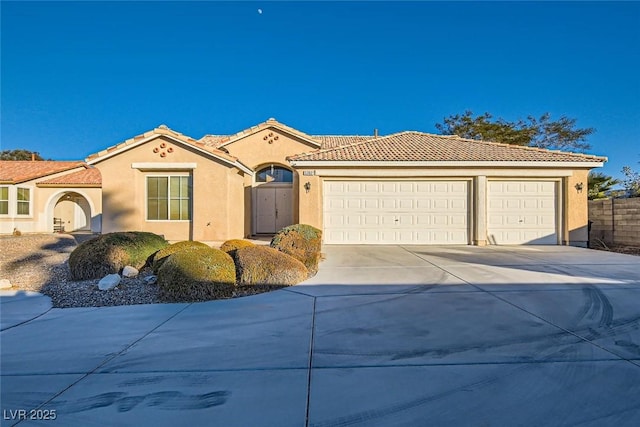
(522,212)
(388,212)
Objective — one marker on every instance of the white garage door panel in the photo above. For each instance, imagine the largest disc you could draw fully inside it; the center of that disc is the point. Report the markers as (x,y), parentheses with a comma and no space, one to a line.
(388,212)
(522,212)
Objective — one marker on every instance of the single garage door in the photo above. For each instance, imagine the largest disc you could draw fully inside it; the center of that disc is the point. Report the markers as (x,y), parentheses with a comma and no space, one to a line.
(522,212)
(389,212)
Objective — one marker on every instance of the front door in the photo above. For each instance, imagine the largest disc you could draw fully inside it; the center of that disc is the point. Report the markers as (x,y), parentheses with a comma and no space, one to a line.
(273,209)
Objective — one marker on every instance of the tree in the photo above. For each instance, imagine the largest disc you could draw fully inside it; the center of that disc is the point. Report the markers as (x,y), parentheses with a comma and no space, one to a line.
(19,154)
(632,181)
(600,185)
(540,132)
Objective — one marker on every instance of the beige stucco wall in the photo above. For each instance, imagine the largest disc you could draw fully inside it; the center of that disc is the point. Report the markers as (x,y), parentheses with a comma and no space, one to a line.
(576,209)
(261,149)
(572,223)
(217,192)
(43,201)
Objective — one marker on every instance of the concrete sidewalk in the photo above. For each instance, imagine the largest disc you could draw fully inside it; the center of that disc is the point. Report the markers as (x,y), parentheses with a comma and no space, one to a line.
(388,335)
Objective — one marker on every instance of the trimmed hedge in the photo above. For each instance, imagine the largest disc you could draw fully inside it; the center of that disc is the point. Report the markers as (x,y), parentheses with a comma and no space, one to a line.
(262,265)
(231,246)
(301,241)
(198,274)
(111,252)
(161,256)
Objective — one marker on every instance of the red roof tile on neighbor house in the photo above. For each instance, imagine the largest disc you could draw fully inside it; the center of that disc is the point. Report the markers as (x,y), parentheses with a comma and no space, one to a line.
(86,177)
(418,146)
(18,171)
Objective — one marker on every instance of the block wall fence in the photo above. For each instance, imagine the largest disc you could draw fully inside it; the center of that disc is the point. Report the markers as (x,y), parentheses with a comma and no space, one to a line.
(615,221)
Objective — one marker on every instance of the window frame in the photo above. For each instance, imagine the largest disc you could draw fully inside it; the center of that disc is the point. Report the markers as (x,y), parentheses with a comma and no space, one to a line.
(7,200)
(29,202)
(189,197)
(273,167)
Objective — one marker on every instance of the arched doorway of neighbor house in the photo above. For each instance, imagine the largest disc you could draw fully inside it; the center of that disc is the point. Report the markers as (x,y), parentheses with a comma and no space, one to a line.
(272,198)
(71,212)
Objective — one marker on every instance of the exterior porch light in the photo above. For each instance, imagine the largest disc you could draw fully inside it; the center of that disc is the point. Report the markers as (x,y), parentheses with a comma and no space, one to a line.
(579,187)
(307,186)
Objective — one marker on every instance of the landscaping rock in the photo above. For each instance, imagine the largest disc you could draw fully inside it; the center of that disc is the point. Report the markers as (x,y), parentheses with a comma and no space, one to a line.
(151,279)
(129,271)
(5,284)
(109,282)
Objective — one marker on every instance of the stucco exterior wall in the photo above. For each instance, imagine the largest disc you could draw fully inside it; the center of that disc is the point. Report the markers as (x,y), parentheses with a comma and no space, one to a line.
(262,149)
(576,210)
(217,192)
(43,200)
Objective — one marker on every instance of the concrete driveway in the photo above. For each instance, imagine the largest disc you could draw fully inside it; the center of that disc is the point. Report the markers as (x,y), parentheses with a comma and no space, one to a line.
(382,336)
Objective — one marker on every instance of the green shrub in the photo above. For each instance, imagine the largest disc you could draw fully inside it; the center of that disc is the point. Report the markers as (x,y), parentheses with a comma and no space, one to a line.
(231,246)
(198,274)
(111,252)
(262,265)
(161,256)
(301,241)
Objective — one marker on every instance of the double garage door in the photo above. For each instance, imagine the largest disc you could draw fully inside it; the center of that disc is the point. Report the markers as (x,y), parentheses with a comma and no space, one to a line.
(436,212)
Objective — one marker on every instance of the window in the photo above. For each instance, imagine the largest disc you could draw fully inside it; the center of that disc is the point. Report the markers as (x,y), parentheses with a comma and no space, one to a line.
(24,201)
(274,174)
(168,198)
(4,200)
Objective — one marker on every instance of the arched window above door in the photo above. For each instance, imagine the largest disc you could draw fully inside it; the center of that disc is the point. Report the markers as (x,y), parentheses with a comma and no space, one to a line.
(274,174)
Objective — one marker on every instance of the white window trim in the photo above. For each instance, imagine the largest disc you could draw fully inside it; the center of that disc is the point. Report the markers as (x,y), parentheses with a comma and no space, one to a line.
(146,198)
(8,214)
(15,200)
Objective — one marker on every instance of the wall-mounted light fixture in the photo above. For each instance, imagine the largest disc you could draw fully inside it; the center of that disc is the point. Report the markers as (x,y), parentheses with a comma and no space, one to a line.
(307,186)
(579,187)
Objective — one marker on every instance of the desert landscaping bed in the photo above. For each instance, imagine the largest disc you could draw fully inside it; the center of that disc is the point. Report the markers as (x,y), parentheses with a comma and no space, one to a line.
(39,262)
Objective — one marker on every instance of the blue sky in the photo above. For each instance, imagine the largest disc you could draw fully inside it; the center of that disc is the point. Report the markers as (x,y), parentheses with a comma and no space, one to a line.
(80,76)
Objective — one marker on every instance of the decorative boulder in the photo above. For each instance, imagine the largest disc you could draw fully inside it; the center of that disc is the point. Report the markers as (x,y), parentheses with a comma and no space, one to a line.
(262,265)
(129,271)
(109,282)
(199,274)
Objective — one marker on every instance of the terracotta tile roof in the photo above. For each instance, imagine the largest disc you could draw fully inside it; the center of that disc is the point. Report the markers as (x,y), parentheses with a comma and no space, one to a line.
(331,141)
(85,177)
(160,130)
(418,146)
(214,140)
(221,140)
(17,171)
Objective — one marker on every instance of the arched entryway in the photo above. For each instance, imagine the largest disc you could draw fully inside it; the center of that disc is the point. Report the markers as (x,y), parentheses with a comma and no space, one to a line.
(272,199)
(71,212)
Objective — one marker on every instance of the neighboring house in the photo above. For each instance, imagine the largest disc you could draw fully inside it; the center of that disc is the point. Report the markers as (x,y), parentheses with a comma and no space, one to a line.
(404,188)
(47,196)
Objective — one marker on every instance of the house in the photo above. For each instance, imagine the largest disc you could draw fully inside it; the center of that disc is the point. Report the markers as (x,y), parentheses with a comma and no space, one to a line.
(404,188)
(47,196)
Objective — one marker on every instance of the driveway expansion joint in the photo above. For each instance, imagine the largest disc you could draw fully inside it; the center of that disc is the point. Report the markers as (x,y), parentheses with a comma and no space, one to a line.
(107,360)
